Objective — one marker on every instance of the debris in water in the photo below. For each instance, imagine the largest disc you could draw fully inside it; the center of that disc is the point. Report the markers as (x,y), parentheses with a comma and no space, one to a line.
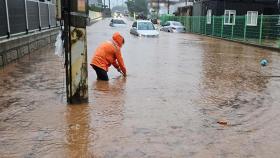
(222,122)
(264,62)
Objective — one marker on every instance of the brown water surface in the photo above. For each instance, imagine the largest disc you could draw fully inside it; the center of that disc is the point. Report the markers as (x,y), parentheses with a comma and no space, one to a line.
(178,87)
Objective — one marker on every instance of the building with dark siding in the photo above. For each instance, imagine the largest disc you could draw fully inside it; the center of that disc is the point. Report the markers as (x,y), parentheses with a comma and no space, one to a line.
(241,7)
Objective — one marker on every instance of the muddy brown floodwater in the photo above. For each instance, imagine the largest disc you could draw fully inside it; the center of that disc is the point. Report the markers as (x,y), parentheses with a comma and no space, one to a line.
(179,86)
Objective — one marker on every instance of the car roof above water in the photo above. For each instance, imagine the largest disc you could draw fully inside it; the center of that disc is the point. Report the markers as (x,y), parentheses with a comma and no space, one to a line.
(117,19)
(143,21)
(174,21)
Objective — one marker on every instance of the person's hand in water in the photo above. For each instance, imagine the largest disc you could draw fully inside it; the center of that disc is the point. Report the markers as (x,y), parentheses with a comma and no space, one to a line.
(120,71)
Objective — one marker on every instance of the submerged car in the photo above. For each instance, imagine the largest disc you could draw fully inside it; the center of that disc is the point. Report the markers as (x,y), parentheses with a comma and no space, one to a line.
(117,23)
(173,26)
(144,28)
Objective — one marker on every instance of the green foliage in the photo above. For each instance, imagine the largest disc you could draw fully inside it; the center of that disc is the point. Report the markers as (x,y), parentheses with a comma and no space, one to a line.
(95,8)
(119,8)
(137,6)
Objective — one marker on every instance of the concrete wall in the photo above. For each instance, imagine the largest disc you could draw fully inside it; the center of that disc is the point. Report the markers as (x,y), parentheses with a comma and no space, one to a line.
(94,15)
(14,48)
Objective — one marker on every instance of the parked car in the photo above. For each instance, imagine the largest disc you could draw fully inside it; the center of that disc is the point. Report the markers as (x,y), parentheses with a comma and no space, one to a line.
(118,14)
(117,23)
(173,26)
(144,28)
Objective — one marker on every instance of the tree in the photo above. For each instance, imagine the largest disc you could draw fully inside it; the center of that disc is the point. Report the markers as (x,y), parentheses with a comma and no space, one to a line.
(130,6)
(137,6)
(119,8)
(95,8)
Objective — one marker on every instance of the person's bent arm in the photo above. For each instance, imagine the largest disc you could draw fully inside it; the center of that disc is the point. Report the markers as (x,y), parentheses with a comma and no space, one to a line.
(121,62)
(116,65)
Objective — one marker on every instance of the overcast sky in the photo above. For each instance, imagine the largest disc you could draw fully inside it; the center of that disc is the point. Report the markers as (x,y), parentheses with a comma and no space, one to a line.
(116,2)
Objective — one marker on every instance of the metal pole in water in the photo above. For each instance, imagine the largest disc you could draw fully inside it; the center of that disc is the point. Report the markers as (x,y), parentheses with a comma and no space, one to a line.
(261,29)
(168,6)
(245,28)
(75,14)
(8,20)
(213,26)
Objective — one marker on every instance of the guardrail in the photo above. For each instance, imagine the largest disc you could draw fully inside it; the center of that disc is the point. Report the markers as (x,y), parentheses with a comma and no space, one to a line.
(262,30)
(25,16)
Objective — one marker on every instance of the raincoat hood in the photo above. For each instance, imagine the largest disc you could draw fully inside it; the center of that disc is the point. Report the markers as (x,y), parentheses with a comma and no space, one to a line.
(117,37)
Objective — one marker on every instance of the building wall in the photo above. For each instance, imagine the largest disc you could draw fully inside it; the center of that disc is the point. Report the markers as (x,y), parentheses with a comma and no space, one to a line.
(184,11)
(173,8)
(173,5)
(17,47)
(197,9)
(266,7)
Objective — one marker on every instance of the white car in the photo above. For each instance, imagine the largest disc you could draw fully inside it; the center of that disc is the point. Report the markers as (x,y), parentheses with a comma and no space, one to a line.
(117,23)
(144,28)
(173,26)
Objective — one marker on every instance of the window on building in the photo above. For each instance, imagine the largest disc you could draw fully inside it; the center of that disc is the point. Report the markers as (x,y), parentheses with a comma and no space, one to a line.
(209,16)
(252,18)
(229,17)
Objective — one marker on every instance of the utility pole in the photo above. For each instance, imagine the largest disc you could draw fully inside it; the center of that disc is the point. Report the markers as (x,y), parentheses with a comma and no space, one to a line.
(75,43)
(168,6)
(278,4)
(158,8)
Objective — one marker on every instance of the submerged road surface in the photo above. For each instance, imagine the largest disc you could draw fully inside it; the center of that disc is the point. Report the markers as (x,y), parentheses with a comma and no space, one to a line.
(185,96)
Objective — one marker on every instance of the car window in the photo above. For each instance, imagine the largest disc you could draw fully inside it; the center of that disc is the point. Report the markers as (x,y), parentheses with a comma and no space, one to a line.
(134,24)
(177,24)
(116,21)
(145,26)
(166,23)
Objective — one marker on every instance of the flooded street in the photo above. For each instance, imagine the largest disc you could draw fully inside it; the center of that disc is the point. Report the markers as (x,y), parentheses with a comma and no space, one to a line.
(179,86)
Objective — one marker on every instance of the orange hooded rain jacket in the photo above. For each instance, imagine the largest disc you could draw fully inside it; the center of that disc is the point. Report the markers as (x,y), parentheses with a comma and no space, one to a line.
(109,53)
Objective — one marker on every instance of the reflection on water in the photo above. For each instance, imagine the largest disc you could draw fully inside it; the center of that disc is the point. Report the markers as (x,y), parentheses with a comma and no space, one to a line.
(229,70)
(233,90)
(179,86)
(87,123)
(78,130)
(107,100)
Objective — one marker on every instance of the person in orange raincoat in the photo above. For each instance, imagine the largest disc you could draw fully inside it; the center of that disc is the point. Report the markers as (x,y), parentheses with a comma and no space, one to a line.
(107,54)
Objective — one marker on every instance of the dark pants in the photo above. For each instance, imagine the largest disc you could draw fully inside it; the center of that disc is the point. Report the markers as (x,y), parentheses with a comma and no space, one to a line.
(101,74)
